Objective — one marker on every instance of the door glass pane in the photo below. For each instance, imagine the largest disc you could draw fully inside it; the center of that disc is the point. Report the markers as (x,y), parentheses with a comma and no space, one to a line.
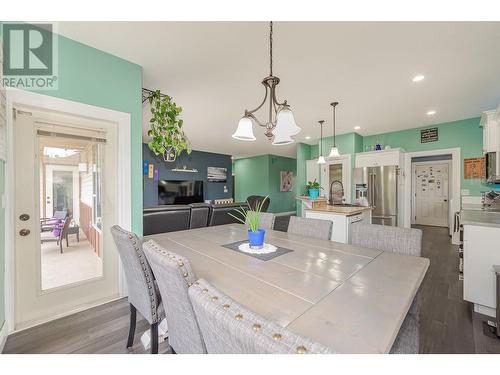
(70,210)
(336,189)
(62,191)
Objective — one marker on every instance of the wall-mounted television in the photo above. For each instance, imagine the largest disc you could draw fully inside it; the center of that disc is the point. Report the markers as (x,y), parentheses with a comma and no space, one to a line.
(179,192)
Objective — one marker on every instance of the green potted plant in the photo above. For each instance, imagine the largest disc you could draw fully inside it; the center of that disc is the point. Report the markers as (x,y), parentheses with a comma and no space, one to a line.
(313,189)
(168,138)
(251,218)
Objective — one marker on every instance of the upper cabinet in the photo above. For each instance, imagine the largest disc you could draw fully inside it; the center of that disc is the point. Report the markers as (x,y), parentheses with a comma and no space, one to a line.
(393,156)
(491,134)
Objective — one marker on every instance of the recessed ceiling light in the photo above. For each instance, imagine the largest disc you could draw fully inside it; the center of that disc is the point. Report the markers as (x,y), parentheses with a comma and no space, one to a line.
(418,78)
(308,137)
(357,127)
(431,113)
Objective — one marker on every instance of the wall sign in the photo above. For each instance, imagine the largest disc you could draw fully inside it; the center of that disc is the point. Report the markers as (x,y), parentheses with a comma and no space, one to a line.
(474,168)
(216,174)
(429,135)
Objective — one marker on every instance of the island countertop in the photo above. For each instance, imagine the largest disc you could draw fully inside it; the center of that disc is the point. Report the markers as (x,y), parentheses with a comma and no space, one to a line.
(480,218)
(341,210)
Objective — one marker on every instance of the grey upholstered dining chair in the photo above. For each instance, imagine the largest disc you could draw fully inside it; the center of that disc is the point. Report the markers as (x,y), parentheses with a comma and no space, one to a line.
(174,276)
(143,294)
(266,220)
(406,241)
(229,328)
(315,228)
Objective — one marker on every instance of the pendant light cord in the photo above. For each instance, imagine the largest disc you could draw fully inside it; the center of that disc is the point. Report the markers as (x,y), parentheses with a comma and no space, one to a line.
(271,47)
(334,104)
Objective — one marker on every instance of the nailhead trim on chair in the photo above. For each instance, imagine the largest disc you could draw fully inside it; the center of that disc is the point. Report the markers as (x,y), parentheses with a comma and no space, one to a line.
(255,327)
(147,275)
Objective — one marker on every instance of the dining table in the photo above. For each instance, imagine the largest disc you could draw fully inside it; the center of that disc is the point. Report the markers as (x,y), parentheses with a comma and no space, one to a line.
(348,298)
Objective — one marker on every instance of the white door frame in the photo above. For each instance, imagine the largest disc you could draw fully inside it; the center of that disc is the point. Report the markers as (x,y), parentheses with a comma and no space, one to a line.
(414,187)
(345,160)
(455,179)
(76,185)
(124,194)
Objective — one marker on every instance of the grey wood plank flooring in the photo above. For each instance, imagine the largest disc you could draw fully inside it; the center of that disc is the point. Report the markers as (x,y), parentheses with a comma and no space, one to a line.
(447,322)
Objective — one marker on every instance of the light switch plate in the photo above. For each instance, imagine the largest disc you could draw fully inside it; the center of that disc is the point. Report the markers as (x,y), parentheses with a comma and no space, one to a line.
(464,192)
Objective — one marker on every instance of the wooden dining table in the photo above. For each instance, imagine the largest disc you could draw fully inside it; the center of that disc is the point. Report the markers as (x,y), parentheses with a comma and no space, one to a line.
(349,298)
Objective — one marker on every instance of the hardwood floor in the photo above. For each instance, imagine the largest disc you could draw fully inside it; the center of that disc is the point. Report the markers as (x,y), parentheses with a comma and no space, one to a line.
(447,322)
(102,329)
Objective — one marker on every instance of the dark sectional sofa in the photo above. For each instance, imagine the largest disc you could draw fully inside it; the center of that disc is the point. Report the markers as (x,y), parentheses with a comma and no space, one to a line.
(171,218)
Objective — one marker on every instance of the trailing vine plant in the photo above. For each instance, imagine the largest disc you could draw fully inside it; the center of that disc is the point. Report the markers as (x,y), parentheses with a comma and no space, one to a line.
(168,137)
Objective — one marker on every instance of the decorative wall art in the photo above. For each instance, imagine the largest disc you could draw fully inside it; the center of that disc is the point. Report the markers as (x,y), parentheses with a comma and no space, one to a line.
(474,168)
(286,181)
(216,174)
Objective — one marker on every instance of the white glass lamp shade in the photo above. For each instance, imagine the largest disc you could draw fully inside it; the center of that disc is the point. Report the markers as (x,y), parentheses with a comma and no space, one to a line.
(244,132)
(282,138)
(285,122)
(321,159)
(334,153)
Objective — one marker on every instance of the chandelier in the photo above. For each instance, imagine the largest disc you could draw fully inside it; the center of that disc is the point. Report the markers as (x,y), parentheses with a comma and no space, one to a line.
(280,126)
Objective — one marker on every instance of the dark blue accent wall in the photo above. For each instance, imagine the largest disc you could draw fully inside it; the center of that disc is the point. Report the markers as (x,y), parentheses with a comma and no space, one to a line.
(196,160)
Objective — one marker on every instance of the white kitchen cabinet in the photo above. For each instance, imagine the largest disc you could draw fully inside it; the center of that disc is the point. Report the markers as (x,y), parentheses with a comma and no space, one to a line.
(312,170)
(481,252)
(491,134)
(393,156)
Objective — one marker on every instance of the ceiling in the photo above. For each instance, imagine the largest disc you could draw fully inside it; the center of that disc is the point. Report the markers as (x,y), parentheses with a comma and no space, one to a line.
(214,69)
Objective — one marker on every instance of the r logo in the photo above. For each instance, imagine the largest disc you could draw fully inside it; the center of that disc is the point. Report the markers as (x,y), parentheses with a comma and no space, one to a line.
(28,49)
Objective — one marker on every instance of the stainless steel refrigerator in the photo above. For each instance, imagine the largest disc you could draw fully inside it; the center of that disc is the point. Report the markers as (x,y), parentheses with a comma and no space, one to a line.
(379,185)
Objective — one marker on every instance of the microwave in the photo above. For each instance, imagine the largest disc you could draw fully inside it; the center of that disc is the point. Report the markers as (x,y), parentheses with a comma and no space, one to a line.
(492,168)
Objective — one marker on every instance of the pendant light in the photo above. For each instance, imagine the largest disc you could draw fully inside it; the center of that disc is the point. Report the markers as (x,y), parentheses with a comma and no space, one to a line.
(280,126)
(321,158)
(334,152)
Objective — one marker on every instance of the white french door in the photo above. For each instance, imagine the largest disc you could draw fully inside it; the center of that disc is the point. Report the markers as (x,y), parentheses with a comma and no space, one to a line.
(90,142)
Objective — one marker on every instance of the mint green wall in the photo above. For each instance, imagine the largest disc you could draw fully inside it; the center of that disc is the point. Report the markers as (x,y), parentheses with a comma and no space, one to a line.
(281,201)
(465,134)
(260,175)
(303,154)
(251,177)
(91,76)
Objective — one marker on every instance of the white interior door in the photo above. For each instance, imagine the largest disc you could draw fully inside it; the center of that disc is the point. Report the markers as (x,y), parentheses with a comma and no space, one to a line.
(431,193)
(34,304)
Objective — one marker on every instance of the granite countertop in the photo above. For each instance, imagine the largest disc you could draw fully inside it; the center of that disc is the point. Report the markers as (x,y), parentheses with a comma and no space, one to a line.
(341,210)
(480,218)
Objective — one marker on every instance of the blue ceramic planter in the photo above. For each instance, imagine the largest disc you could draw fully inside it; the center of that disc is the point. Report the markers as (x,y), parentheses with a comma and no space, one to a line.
(313,193)
(256,239)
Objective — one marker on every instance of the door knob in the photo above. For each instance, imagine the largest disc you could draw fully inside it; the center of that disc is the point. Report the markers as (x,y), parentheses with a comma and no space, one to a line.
(24,232)
(24,217)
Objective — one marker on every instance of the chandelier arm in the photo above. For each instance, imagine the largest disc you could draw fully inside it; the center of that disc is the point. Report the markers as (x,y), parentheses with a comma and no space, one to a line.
(248,114)
(260,105)
(273,98)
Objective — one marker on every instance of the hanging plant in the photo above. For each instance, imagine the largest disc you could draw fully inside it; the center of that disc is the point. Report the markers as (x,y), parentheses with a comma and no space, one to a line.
(168,138)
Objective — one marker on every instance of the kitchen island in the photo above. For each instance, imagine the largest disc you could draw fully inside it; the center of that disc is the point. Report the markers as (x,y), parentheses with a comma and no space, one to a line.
(342,216)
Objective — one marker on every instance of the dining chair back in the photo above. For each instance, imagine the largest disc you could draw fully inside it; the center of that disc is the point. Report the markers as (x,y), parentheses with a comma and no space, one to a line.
(143,293)
(267,220)
(229,328)
(407,241)
(307,227)
(174,276)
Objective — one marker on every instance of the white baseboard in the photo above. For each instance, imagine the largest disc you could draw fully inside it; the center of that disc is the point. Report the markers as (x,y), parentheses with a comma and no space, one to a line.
(4,332)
